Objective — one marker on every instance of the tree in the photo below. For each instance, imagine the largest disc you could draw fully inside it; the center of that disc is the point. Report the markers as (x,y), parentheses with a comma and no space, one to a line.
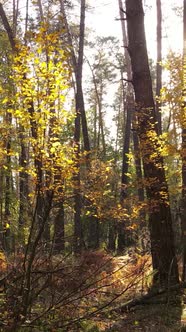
(183,214)
(77,62)
(160,222)
(103,72)
(159,65)
(78,232)
(130,122)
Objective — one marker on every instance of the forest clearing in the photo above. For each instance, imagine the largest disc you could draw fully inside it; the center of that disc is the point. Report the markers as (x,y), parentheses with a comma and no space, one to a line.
(92,166)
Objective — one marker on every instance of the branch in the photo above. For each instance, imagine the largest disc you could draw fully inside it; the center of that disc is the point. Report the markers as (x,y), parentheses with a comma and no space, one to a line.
(123,11)
(7,27)
(128,81)
(121,19)
(144,299)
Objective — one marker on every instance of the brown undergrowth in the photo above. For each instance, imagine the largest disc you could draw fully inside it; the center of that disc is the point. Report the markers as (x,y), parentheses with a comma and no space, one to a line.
(69,293)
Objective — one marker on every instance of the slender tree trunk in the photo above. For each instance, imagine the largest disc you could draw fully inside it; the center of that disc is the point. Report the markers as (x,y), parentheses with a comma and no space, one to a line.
(76,63)
(26,19)
(93,233)
(7,27)
(183,208)
(113,224)
(99,108)
(159,66)
(112,235)
(15,16)
(122,233)
(1,209)
(59,228)
(123,238)
(80,116)
(95,127)
(23,162)
(160,221)
(23,182)
(8,191)
(132,118)
(138,166)
(40,11)
(78,234)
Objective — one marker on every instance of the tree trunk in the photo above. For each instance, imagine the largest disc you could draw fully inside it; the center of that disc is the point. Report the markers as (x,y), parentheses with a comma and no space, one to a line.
(137,155)
(15,16)
(112,235)
(158,65)
(1,209)
(59,229)
(8,191)
(183,210)
(160,222)
(23,183)
(122,232)
(143,236)
(76,63)
(93,233)
(78,235)
(98,108)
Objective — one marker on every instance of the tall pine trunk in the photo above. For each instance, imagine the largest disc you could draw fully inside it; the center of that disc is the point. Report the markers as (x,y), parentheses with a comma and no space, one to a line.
(183,214)
(8,189)
(158,66)
(78,232)
(77,68)
(122,233)
(160,221)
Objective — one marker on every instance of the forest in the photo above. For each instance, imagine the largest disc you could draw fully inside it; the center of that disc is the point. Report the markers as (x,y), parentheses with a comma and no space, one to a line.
(92,167)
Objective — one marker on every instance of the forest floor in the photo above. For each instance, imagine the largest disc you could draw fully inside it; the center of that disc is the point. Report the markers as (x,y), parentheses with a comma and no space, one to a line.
(157,313)
(151,317)
(96,292)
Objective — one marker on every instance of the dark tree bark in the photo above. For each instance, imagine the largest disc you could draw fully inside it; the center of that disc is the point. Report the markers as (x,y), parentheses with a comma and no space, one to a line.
(112,235)
(1,209)
(78,233)
(23,161)
(23,182)
(93,233)
(131,117)
(129,103)
(15,16)
(59,228)
(7,27)
(26,19)
(98,97)
(158,66)
(6,237)
(143,236)
(76,62)
(8,190)
(160,221)
(183,210)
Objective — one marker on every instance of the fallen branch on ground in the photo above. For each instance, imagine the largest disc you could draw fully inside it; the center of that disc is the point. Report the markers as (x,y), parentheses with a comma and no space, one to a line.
(145,298)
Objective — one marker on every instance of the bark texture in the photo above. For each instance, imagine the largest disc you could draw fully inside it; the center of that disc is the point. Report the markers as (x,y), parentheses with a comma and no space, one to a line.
(160,222)
(158,66)
(183,214)
(77,63)
(78,235)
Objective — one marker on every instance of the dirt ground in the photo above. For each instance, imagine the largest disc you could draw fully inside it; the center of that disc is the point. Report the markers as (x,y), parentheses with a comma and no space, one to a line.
(154,316)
